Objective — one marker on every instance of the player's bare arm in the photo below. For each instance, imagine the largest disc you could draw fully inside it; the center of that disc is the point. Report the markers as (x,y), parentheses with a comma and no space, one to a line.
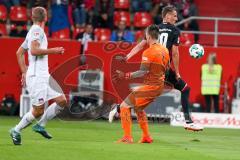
(37,51)
(144,69)
(175,58)
(21,62)
(140,46)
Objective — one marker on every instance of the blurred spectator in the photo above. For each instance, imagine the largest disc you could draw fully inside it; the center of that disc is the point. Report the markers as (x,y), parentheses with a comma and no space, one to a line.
(35,3)
(211,82)
(141,5)
(179,5)
(156,12)
(189,9)
(91,18)
(193,11)
(186,38)
(122,34)
(25,2)
(104,13)
(85,37)
(19,31)
(79,12)
(61,17)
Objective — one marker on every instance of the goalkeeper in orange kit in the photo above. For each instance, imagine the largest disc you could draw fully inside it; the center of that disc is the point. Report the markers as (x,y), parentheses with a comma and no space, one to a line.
(155,61)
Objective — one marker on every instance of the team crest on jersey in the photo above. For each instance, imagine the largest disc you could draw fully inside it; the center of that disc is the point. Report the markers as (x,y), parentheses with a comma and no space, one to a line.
(36,33)
(41,100)
(144,58)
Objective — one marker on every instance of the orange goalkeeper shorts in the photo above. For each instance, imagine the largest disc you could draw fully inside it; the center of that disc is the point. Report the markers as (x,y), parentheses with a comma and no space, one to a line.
(144,95)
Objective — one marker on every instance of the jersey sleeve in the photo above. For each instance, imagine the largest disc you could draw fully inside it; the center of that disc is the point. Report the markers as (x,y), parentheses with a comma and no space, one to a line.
(24,45)
(176,37)
(36,34)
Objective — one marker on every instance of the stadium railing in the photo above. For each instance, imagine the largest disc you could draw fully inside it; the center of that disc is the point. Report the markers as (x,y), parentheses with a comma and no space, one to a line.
(216,32)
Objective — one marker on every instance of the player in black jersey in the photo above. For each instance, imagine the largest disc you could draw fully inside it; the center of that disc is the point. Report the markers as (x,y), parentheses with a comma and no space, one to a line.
(169,37)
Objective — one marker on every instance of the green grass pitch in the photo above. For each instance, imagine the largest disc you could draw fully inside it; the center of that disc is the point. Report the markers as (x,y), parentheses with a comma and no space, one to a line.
(94,140)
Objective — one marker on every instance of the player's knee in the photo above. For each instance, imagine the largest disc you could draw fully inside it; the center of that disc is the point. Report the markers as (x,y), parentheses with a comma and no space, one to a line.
(37,112)
(61,101)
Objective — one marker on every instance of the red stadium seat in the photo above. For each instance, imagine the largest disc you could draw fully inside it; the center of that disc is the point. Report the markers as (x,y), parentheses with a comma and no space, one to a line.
(142,19)
(102,34)
(3,29)
(122,16)
(3,13)
(61,34)
(121,4)
(77,30)
(139,35)
(18,13)
(13,26)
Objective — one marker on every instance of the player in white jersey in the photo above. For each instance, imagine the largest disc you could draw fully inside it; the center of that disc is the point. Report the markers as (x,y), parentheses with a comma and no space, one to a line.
(37,78)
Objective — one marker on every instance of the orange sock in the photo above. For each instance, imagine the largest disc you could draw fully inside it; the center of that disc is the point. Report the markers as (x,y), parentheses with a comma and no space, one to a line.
(126,121)
(143,123)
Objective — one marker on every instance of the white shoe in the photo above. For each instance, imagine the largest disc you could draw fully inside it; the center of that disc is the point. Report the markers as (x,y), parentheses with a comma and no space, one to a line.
(112,113)
(193,127)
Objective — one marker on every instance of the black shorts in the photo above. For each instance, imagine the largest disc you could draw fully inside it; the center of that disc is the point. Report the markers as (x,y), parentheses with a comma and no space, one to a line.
(178,84)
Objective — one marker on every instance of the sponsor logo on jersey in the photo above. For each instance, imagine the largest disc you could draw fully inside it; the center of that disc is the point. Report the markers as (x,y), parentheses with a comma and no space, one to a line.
(165,29)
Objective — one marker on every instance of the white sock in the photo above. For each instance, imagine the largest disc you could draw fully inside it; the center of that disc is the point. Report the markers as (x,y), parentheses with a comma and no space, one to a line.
(50,113)
(25,121)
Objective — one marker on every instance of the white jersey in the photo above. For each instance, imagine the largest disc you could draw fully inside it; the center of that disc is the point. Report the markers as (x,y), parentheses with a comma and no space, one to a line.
(38,65)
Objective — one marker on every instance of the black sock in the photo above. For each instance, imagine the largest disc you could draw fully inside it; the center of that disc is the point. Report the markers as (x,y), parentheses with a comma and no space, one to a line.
(185,104)
(118,108)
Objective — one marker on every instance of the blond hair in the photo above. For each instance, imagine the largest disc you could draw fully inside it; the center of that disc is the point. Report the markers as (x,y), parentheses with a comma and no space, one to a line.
(39,14)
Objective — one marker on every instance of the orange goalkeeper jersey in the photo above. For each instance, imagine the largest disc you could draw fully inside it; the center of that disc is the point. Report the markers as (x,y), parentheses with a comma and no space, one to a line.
(156,58)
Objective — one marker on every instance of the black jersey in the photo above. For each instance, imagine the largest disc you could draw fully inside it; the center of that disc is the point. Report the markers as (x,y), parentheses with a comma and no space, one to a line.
(169,36)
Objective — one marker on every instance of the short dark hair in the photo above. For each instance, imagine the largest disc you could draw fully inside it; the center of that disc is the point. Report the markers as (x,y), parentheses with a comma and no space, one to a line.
(153,31)
(167,10)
